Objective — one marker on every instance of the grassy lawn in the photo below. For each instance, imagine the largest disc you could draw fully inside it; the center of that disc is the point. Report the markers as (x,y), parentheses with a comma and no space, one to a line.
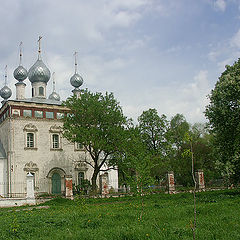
(164,217)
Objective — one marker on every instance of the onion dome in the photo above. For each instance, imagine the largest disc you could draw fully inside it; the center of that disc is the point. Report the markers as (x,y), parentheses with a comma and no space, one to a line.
(54,96)
(39,72)
(5,92)
(76,80)
(20,73)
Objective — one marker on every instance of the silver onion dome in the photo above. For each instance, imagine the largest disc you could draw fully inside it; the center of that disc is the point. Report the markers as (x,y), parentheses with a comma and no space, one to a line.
(39,72)
(5,92)
(76,80)
(54,96)
(20,73)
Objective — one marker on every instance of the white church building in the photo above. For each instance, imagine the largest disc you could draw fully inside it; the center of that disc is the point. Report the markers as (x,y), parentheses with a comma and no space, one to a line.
(31,138)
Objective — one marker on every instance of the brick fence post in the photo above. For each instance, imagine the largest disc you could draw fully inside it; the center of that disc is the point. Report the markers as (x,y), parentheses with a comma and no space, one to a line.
(69,187)
(200,179)
(170,182)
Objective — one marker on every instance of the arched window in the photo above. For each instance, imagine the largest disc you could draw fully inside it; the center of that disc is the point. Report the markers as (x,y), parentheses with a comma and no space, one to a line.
(41,91)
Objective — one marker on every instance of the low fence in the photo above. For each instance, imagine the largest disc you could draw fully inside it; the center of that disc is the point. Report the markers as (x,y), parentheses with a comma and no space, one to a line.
(21,193)
(13,189)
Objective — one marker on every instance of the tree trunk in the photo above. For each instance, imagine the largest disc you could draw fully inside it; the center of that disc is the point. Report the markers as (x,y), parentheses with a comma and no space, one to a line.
(94,181)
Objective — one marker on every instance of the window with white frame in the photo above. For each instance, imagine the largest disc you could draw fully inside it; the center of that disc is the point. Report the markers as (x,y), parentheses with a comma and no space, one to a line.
(30,140)
(55,137)
(55,141)
(30,132)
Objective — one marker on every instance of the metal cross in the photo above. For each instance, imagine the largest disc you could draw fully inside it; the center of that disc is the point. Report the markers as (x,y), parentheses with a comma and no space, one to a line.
(75,55)
(39,45)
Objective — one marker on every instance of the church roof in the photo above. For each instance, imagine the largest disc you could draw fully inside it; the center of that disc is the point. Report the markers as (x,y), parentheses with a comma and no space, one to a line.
(39,100)
(2,151)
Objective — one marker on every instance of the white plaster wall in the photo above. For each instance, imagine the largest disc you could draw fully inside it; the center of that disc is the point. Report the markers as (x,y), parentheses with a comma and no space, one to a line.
(45,158)
(2,180)
(13,139)
(4,134)
(4,138)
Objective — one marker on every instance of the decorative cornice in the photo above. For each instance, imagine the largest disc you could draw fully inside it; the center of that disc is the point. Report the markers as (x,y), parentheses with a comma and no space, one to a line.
(55,129)
(81,166)
(30,167)
(30,128)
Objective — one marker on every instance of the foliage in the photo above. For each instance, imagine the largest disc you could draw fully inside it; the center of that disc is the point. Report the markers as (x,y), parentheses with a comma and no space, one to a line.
(153,132)
(177,131)
(83,187)
(202,148)
(96,121)
(135,161)
(223,114)
(165,143)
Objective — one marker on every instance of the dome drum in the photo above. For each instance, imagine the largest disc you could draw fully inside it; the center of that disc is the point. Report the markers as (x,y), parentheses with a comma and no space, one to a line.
(39,89)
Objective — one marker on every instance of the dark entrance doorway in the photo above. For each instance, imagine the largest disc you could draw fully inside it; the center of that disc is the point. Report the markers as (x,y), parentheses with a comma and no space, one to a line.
(56,183)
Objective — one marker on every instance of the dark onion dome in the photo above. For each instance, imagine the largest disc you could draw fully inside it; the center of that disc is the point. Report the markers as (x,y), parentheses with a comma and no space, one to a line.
(39,72)
(76,80)
(20,73)
(54,96)
(5,92)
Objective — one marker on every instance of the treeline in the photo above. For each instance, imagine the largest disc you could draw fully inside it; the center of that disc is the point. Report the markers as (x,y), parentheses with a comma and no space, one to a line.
(158,145)
(143,152)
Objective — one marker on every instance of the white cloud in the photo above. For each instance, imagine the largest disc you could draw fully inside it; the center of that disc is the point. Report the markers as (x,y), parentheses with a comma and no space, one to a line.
(235,40)
(127,4)
(189,99)
(220,5)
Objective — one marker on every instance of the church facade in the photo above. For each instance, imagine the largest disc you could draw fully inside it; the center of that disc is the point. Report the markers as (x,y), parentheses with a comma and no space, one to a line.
(31,138)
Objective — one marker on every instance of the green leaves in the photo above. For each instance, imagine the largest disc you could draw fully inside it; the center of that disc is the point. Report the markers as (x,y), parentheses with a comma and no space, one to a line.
(223,114)
(97,122)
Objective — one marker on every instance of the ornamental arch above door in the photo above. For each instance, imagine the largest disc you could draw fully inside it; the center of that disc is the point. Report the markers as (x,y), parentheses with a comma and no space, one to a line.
(57,181)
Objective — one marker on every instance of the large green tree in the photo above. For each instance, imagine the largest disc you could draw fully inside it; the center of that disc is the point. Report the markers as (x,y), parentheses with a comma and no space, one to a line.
(153,129)
(97,122)
(223,114)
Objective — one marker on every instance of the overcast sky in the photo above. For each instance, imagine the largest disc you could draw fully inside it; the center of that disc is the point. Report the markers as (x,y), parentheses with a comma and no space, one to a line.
(163,54)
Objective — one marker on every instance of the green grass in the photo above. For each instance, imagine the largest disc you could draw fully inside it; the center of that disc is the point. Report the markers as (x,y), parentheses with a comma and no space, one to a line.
(164,217)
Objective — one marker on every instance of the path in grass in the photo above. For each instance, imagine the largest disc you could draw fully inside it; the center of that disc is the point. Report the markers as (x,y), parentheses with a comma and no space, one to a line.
(165,217)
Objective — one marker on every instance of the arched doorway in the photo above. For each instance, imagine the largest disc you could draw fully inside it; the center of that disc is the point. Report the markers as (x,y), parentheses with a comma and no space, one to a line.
(56,178)
(56,183)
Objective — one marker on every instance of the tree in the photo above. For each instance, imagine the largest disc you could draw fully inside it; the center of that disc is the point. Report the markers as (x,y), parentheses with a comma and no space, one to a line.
(136,164)
(153,129)
(223,114)
(177,131)
(97,122)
